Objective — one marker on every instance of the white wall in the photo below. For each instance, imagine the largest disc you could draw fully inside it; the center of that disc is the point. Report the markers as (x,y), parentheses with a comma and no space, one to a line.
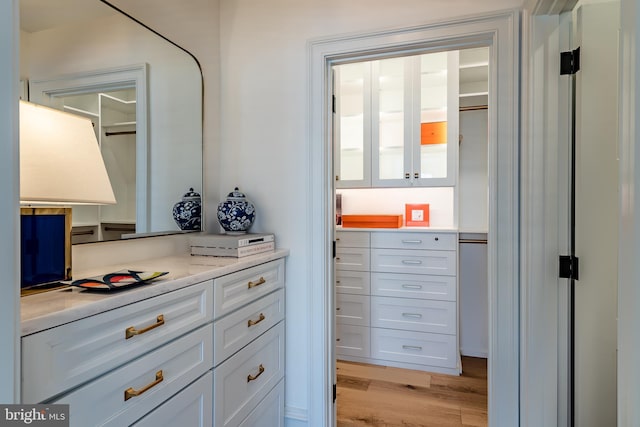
(264,119)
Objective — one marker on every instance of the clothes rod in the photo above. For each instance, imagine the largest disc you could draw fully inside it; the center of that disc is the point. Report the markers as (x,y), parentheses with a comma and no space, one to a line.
(475,241)
(124,132)
(474,108)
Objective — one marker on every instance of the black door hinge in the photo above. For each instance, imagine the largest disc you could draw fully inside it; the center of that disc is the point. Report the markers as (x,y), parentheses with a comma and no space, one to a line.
(335,392)
(569,267)
(570,62)
(334,248)
(333,104)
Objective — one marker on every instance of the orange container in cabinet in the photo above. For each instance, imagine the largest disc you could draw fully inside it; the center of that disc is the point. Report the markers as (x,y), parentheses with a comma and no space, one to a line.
(433,133)
(372,221)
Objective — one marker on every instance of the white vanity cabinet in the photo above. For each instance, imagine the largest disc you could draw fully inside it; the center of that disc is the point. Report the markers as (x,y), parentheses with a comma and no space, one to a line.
(207,354)
(412,312)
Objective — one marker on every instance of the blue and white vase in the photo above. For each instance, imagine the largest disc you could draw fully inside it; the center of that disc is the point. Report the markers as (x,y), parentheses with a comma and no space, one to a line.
(187,213)
(236,214)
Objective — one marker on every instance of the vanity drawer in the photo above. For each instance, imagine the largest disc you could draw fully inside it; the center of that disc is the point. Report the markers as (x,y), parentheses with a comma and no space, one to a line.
(239,328)
(438,241)
(353,282)
(83,350)
(414,286)
(352,239)
(191,407)
(354,259)
(352,309)
(414,347)
(352,341)
(269,412)
(414,315)
(413,261)
(247,377)
(111,399)
(237,289)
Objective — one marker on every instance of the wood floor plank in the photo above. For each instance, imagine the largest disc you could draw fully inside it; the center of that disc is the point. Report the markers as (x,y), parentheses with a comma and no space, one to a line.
(378,396)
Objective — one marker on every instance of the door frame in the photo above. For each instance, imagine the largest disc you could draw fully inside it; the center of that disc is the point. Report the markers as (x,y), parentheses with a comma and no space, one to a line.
(502,33)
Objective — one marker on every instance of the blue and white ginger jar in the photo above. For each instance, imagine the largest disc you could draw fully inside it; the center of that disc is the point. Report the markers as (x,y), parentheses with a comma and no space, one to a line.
(236,214)
(187,213)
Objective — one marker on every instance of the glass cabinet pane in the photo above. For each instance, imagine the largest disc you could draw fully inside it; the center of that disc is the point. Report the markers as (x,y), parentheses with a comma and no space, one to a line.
(389,76)
(433,115)
(351,113)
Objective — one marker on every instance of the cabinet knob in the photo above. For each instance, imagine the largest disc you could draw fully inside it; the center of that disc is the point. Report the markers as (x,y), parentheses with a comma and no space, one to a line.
(407,176)
(416,175)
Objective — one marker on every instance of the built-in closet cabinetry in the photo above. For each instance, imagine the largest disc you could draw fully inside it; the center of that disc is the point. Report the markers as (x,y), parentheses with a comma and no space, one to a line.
(207,354)
(396,122)
(396,299)
(114,118)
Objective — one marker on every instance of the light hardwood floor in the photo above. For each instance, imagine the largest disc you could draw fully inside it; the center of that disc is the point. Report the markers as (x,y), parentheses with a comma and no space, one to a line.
(381,396)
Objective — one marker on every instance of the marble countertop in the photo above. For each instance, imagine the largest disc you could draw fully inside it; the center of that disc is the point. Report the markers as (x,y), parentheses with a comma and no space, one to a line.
(50,309)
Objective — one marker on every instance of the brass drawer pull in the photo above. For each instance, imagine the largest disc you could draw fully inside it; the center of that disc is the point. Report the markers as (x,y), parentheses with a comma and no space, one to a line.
(412,241)
(258,283)
(132,331)
(412,347)
(130,392)
(255,377)
(251,323)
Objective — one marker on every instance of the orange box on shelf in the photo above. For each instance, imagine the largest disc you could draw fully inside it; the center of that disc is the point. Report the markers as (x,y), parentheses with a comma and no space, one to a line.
(433,133)
(372,221)
(417,215)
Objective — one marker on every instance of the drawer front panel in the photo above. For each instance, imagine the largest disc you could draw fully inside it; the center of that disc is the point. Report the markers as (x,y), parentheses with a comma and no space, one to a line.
(193,406)
(238,329)
(353,282)
(156,376)
(237,289)
(431,240)
(352,239)
(352,309)
(83,350)
(247,377)
(413,262)
(353,341)
(414,315)
(414,286)
(414,347)
(355,259)
(269,412)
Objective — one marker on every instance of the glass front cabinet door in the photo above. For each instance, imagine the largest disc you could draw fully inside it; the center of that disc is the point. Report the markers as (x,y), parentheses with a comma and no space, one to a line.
(396,122)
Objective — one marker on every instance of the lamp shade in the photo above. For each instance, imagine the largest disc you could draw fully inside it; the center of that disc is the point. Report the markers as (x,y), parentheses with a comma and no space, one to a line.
(60,160)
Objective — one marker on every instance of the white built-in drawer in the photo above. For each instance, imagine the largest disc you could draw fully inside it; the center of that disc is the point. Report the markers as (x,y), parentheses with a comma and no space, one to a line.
(353,341)
(237,329)
(64,357)
(414,286)
(352,309)
(414,315)
(192,407)
(414,347)
(355,259)
(423,240)
(237,289)
(352,239)
(413,261)
(353,282)
(121,396)
(247,377)
(269,412)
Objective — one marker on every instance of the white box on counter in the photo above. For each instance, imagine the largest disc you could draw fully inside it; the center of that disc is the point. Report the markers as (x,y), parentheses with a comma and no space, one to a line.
(237,246)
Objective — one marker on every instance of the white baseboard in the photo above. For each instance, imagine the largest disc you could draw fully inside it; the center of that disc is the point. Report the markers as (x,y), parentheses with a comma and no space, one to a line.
(474,352)
(295,417)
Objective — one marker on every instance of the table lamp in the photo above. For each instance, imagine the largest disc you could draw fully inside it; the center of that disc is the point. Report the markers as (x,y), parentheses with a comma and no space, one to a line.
(60,166)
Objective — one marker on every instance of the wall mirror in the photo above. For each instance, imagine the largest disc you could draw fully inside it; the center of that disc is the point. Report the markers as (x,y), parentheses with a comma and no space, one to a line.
(144,96)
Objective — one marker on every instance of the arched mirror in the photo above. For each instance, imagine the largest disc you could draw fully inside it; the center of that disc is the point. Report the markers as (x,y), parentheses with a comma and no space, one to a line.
(143,95)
